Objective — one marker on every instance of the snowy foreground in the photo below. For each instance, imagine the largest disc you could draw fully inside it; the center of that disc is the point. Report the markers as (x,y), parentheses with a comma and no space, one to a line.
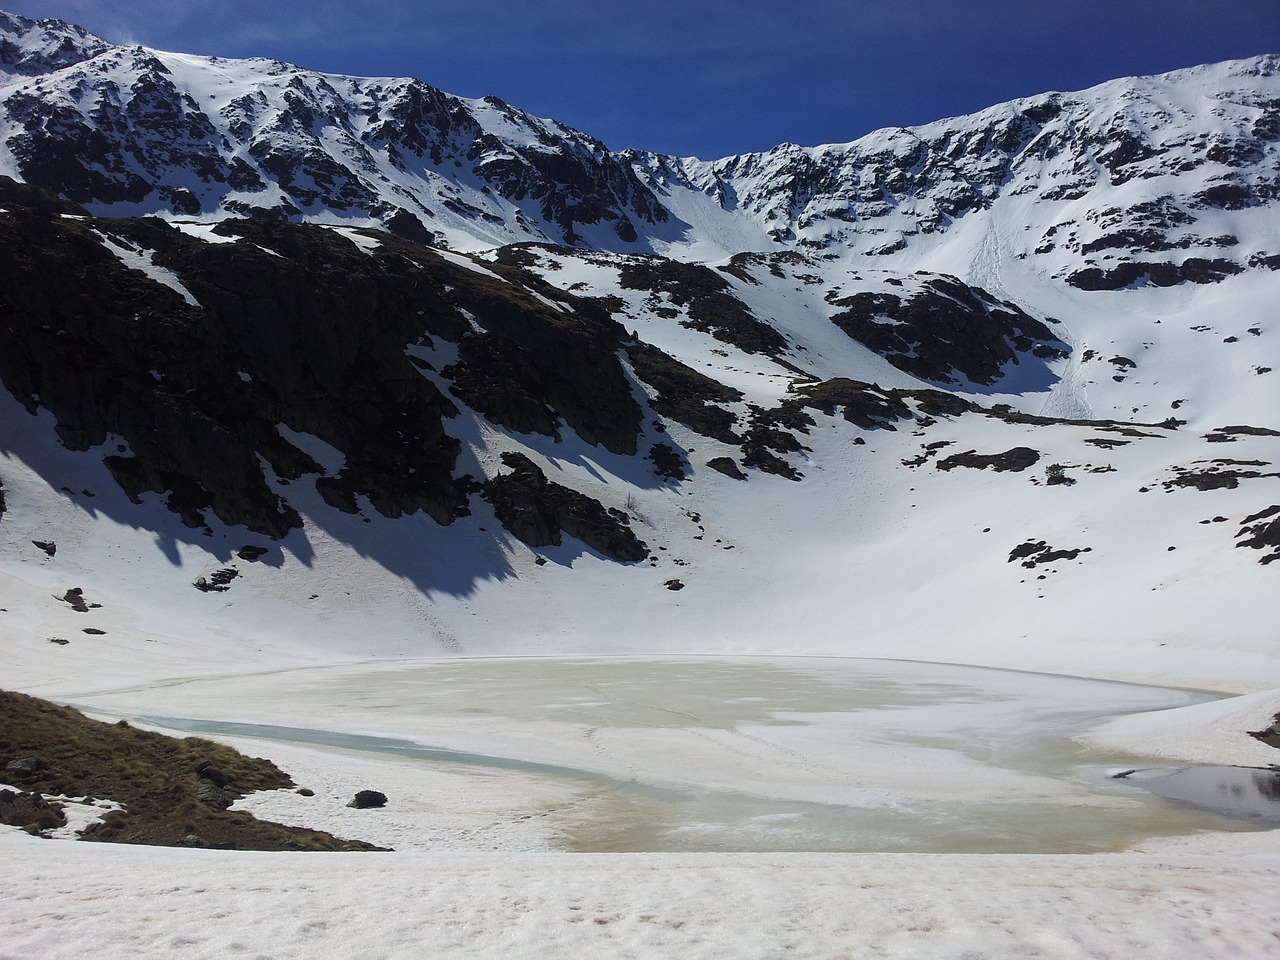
(1212,898)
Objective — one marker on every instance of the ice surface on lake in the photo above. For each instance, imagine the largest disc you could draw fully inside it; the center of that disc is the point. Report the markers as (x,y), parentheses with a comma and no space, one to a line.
(722,754)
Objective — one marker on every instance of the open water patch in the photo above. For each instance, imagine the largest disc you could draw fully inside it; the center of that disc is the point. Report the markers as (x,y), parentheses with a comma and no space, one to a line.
(1249,793)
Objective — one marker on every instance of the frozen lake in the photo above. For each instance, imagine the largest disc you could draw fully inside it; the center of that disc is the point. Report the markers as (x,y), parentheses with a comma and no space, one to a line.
(722,754)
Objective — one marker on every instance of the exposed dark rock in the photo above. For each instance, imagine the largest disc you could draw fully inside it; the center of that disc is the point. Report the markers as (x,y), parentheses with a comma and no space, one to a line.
(939,403)
(74,598)
(667,462)
(1033,553)
(684,394)
(771,432)
(217,582)
(251,554)
(535,365)
(212,793)
(408,225)
(1015,459)
(536,511)
(294,325)
(727,466)
(945,329)
(48,546)
(1217,474)
(208,771)
(759,457)
(1229,434)
(23,766)
(862,404)
(927,453)
(196,392)
(368,800)
(1124,429)
(1261,531)
(711,305)
(1270,735)
(31,811)
(1163,274)
(673,585)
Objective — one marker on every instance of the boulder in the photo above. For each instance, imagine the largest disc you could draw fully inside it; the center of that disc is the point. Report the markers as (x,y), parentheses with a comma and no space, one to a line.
(209,772)
(31,811)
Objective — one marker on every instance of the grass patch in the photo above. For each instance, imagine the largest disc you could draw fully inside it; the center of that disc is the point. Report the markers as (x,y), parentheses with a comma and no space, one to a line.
(166,802)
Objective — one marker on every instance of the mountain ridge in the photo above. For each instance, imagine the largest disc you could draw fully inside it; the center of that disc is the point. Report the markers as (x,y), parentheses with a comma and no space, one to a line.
(280,140)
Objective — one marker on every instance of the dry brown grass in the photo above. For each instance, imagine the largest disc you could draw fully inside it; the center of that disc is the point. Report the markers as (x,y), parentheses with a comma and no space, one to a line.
(153,776)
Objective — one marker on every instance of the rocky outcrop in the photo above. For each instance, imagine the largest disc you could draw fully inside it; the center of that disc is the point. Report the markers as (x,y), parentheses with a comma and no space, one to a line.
(189,364)
(1157,274)
(684,394)
(709,301)
(537,511)
(30,811)
(192,386)
(542,358)
(945,329)
(1013,460)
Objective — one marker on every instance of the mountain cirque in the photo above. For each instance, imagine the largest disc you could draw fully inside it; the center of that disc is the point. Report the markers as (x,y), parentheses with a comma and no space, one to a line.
(304,315)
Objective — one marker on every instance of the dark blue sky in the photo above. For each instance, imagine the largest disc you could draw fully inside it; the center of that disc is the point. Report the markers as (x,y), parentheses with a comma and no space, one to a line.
(709,77)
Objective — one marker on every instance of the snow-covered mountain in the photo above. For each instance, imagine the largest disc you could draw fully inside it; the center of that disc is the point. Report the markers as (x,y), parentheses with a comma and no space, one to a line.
(129,130)
(1140,168)
(300,365)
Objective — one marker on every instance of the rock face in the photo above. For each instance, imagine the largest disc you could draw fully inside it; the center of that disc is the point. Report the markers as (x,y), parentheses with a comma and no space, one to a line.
(1016,460)
(537,511)
(1261,531)
(945,329)
(711,307)
(191,364)
(684,394)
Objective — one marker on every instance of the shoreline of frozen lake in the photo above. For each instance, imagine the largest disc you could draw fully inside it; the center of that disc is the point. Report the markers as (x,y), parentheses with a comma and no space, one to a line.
(694,754)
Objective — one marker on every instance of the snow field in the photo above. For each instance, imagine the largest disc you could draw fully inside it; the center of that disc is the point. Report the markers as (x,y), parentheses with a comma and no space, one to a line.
(1213,900)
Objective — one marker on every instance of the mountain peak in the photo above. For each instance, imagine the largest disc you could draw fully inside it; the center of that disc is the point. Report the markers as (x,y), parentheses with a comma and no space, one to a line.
(30,48)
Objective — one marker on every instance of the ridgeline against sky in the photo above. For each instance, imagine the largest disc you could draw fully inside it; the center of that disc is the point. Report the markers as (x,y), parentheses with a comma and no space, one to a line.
(703,78)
